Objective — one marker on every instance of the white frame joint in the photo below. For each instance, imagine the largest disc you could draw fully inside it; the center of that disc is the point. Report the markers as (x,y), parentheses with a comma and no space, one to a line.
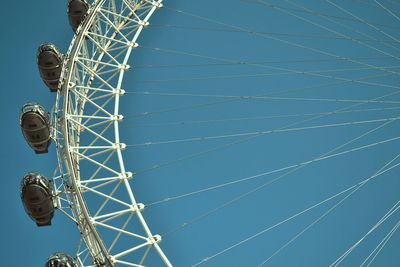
(120,92)
(118,117)
(71,85)
(124,67)
(144,23)
(138,207)
(120,146)
(126,175)
(133,44)
(155,239)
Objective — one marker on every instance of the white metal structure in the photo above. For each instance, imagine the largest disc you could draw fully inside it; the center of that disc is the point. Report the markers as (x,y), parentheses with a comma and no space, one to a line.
(87,136)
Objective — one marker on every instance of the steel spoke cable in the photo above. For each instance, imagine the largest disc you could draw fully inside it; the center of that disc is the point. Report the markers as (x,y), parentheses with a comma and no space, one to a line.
(182,123)
(374,5)
(224,146)
(365,3)
(347,27)
(260,132)
(383,245)
(268,183)
(249,178)
(362,20)
(308,73)
(355,245)
(380,246)
(242,140)
(256,189)
(251,62)
(256,97)
(207,104)
(386,216)
(256,75)
(328,29)
(315,13)
(387,10)
(265,230)
(308,36)
(324,157)
(195,106)
(318,220)
(180,108)
(315,50)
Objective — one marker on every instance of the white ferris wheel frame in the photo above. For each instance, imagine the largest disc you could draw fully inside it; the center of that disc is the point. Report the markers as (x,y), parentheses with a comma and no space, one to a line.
(99,52)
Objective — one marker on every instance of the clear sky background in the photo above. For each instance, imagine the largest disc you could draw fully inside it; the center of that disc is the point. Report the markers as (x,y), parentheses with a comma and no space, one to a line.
(314,57)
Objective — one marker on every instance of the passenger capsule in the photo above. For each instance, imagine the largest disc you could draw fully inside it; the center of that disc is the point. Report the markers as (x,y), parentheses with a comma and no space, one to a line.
(77,10)
(49,61)
(36,195)
(60,260)
(35,125)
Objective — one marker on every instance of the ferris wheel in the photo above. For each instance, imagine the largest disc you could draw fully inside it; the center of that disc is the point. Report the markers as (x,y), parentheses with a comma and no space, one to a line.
(92,180)
(331,56)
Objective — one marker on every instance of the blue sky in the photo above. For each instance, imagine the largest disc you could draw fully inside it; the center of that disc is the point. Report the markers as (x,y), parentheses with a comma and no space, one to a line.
(188,61)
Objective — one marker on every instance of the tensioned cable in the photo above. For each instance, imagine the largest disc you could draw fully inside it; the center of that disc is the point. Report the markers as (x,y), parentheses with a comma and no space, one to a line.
(380,246)
(346,26)
(365,3)
(314,223)
(269,182)
(382,220)
(251,62)
(315,50)
(249,178)
(383,245)
(264,132)
(182,123)
(362,20)
(171,51)
(327,212)
(256,189)
(149,93)
(387,10)
(180,108)
(242,140)
(334,16)
(224,146)
(308,36)
(236,27)
(327,29)
(187,107)
(256,75)
(293,216)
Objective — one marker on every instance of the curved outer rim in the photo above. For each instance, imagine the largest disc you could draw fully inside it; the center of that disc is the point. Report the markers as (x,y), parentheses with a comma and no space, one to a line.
(97,250)
(71,167)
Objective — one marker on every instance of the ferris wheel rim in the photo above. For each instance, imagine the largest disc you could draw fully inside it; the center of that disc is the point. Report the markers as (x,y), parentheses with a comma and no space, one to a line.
(64,151)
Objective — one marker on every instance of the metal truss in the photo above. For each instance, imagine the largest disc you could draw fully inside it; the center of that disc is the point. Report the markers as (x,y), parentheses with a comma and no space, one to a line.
(95,184)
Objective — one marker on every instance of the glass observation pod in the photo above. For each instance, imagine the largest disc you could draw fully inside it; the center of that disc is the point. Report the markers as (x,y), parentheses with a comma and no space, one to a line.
(35,125)
(77,10)
(49,60)
(60,259)
(36,195)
